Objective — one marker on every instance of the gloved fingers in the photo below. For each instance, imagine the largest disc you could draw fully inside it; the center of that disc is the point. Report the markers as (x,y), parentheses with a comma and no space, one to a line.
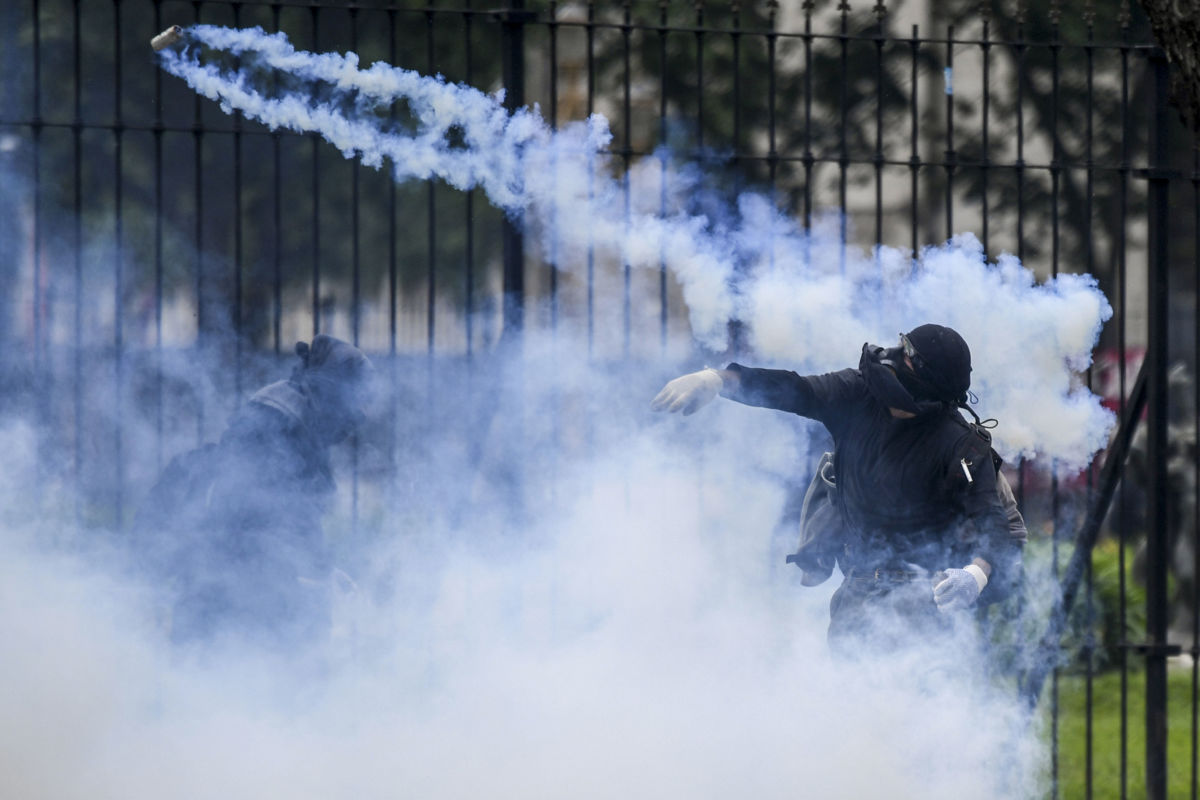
(673,395)
(663,398)
(695,401)
(958,590)
(687,393)
(948,601)
(676,397)
(680,402)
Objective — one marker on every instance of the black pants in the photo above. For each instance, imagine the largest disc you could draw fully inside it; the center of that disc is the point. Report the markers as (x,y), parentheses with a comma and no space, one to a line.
(869,617)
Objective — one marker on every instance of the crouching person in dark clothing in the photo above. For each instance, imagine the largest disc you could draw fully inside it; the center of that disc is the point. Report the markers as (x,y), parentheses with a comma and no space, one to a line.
(233,529)
(925,531)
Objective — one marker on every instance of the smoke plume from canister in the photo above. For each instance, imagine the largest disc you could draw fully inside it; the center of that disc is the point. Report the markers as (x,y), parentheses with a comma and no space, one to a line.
(808,301)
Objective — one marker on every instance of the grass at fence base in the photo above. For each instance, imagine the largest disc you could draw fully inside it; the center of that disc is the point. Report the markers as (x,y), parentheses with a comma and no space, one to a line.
(1106,734)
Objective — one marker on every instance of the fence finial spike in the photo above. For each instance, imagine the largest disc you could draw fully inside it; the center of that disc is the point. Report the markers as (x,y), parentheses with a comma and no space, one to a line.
(1124,18)
(1020,12)
(1089,13)
(844,6)
(880,10)
(985,10)
(1055,12)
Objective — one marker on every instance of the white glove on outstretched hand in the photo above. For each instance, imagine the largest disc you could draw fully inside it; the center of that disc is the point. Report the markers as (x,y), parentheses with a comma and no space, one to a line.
(688,393)
(960,588)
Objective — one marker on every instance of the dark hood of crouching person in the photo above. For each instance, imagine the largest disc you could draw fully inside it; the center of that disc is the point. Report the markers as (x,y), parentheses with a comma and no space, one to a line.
(233,529)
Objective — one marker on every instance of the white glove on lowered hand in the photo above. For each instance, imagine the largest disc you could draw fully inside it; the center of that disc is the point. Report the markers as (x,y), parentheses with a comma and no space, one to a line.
(960,588)
(688,393)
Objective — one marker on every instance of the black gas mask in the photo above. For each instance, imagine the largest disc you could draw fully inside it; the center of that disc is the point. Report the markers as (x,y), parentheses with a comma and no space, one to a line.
(916,381)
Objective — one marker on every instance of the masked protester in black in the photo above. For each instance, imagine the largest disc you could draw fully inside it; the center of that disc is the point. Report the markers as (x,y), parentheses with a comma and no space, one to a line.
(233,529)
(926,535)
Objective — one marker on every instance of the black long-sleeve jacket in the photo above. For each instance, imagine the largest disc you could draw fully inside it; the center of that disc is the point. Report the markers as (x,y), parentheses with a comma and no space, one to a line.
(903,483)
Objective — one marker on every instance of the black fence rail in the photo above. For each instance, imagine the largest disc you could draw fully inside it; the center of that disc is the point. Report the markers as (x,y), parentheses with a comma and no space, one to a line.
(148,235)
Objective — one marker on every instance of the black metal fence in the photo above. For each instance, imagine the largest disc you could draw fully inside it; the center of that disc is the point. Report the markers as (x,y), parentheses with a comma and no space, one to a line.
(146,231)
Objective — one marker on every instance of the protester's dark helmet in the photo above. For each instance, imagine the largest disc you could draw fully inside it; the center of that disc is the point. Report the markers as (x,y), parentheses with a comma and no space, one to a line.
(942,359)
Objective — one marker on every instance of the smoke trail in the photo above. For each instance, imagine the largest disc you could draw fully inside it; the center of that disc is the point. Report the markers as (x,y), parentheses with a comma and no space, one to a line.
(808,301)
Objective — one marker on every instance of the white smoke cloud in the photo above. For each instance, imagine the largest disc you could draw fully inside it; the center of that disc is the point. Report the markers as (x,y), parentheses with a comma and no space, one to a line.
(641,639)
(1027,339)
(808,301)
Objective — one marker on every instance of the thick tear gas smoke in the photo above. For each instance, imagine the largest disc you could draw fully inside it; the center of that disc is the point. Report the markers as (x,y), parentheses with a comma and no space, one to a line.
(806,300)
(640,635)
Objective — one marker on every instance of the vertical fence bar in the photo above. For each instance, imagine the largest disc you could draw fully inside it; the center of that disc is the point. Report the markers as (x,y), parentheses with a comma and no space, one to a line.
(880,12)
(591,251)
(393,293)
(1157,341)
(951,158)
(807,159)
(77,257)
(626,162)
(238,240)
(843,119)
(314,14)
(552,266)
(1055,499)
(735,41)
(1089,266)
(514,98)
(1157,344)
(198,166)
(1123,309)
(158,256)
(734,327)
(469,206)
(664,311)
(914,158)
(118,470)
(699,6)
(431,218)
(1019,48)
(392,276)
(772,89)
(355,230)
(355,289)
(39,365)
(985,10)
(1194,651)
(277,222)
(1019,164)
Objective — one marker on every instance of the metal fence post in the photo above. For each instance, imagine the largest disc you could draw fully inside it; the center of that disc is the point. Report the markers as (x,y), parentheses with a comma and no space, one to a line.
(1156,647)
(514,19)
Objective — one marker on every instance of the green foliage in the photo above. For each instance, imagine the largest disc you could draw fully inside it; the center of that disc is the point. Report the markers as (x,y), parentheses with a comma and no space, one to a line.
(1094,632)
(1096,619)
(1097,714)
